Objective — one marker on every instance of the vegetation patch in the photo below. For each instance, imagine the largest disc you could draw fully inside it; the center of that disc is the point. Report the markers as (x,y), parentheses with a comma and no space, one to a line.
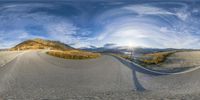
(41,44)
(73,54)
(126,57)
(155,58)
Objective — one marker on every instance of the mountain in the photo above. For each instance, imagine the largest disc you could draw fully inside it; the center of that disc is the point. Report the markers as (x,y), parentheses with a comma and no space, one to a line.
(41,44)
(104,50)
(137,51)
(3,49)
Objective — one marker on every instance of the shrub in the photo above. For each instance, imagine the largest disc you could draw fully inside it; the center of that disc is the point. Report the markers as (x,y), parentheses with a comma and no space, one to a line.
(155,58)
(73,54)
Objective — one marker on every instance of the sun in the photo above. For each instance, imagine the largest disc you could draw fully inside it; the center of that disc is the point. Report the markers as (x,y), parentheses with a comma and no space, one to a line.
(130,44)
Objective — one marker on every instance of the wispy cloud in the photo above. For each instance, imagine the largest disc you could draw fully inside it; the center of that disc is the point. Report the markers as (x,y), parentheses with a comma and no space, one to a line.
(143,9)
(182,13)
(149,24)
(16,17)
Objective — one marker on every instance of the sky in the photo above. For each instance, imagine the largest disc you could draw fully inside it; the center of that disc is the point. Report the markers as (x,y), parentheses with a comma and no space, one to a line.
(135,23)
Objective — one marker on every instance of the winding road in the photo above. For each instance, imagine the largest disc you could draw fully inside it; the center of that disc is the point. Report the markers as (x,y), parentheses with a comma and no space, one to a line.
(33,74)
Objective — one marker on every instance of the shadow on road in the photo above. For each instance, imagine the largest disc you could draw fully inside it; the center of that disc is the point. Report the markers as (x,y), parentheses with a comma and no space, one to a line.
(135,69)
(137,84)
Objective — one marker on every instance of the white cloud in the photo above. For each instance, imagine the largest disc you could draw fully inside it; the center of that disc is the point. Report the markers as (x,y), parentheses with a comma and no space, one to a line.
(163,29)
(17,17)
(61,30)
(181,13)
(121,26)
(143,9)
(133,31)
(195,10)
(183,16)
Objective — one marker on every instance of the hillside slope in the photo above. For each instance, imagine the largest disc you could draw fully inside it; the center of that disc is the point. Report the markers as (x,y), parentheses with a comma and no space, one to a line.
(41,44)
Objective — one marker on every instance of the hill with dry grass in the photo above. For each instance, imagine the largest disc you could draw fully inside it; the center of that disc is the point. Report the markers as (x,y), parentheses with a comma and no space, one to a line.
(41,44)
(55,48)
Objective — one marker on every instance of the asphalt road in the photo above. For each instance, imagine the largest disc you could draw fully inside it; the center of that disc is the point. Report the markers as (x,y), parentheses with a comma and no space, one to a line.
(35,75)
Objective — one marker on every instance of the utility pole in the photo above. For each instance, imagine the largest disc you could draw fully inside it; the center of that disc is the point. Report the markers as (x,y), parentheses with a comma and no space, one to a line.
(131,50)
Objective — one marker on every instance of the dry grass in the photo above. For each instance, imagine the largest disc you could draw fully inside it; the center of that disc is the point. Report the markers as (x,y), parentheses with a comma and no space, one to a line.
(126,57)
(73,54)
(155,58)
(41,44)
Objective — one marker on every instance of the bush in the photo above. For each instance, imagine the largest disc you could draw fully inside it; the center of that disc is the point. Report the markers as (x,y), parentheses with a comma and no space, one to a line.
(73,54)
(155,58)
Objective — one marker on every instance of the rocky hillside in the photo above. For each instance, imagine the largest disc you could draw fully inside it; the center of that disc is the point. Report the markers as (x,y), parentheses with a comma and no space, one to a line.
(41,44)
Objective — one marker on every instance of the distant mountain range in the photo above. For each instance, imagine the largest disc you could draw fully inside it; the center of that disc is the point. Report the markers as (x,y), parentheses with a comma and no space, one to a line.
(128,50)
(41,44)
(3,49)
(108,48)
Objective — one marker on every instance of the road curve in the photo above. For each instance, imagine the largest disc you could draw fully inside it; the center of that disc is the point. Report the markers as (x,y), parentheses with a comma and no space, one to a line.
(37,75)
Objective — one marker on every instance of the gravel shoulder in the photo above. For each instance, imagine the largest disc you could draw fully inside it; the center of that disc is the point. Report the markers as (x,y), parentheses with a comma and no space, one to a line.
(178,62)
(7,56)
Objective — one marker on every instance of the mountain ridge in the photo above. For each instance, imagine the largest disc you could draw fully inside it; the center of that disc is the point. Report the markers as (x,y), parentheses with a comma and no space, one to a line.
(38,43)
(137,50)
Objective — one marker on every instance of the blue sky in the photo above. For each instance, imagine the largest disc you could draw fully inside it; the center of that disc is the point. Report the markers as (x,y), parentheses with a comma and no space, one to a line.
(144,23)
